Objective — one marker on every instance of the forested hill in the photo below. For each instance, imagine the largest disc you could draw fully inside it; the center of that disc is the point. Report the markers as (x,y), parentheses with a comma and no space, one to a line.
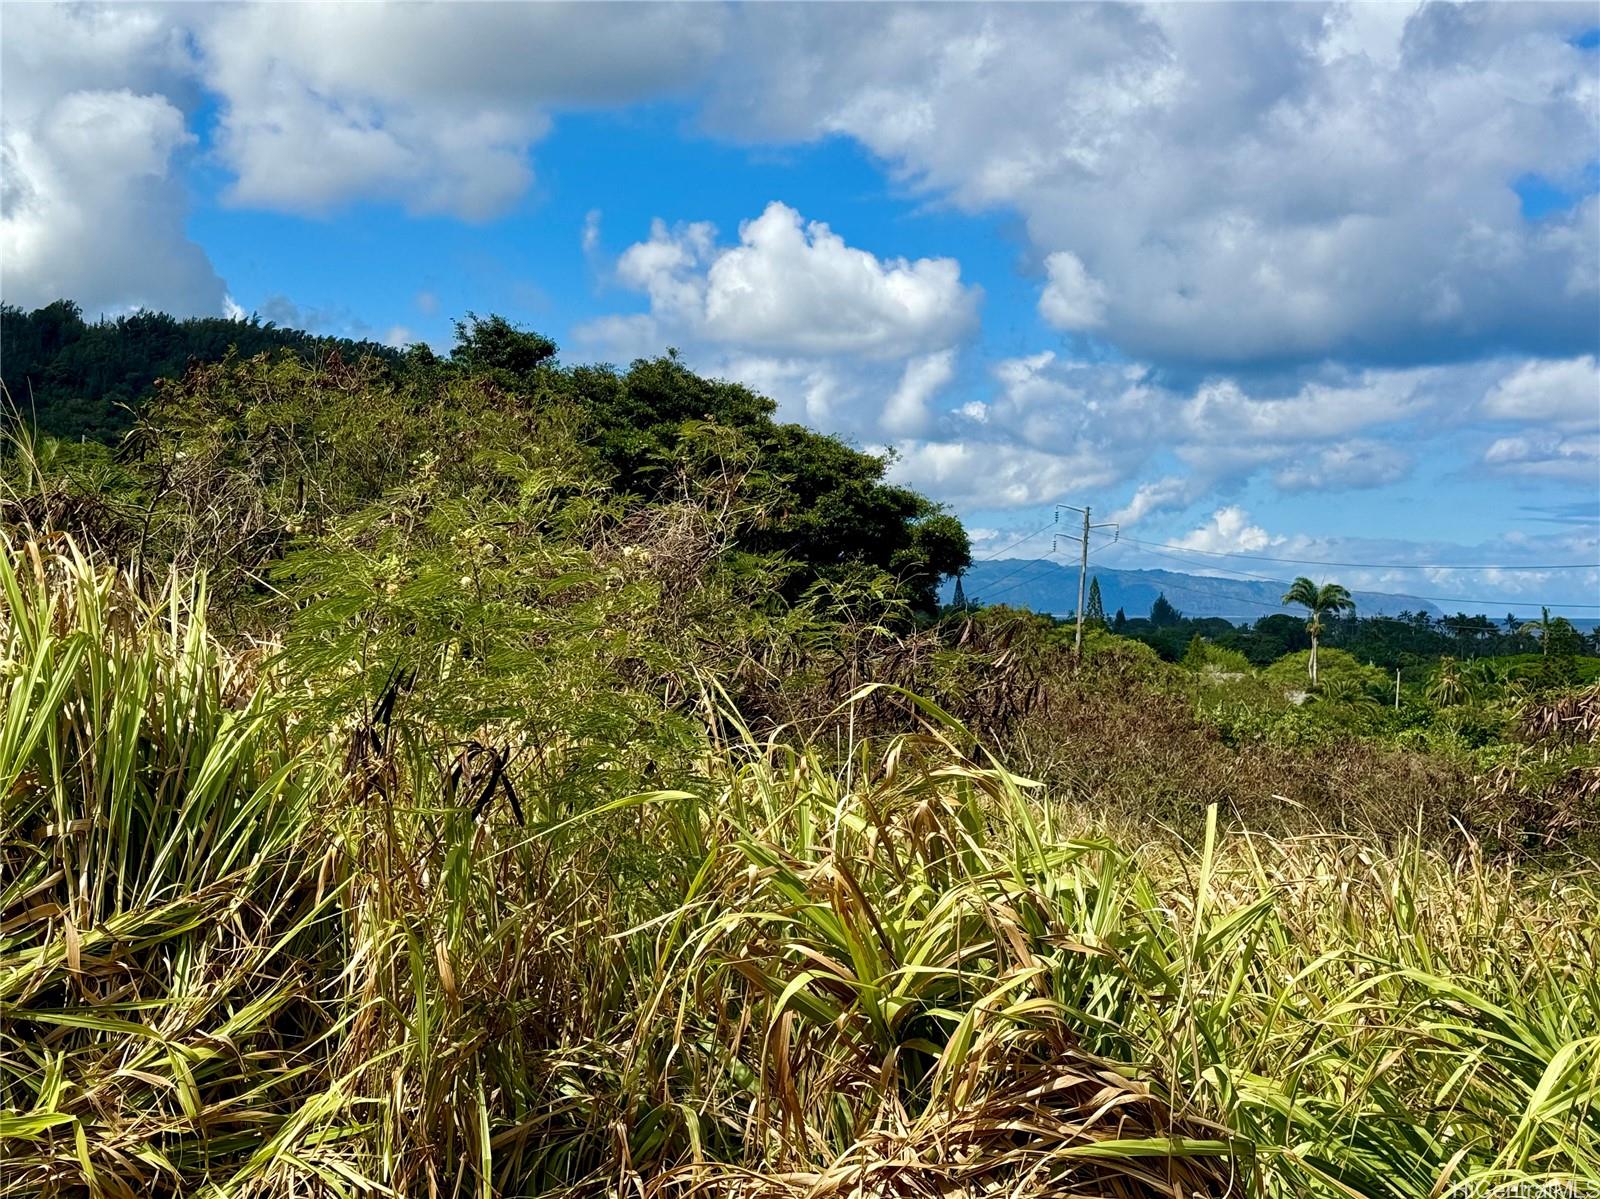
(1050,587)
(83,380)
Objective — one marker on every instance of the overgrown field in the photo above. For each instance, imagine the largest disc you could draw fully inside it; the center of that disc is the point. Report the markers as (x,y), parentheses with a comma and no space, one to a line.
(478,777)
(254,948)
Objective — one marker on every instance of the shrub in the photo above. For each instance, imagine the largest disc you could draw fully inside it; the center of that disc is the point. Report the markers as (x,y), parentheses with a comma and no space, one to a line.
(1335,668)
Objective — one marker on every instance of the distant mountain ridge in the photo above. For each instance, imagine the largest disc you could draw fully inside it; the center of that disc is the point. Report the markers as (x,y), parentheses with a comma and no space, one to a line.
(1049,587)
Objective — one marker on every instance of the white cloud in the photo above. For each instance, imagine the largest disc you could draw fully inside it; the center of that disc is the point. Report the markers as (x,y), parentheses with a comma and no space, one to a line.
(1241,180)
(996,475)
(907,411)
(1222,411)
(1218,184)
(1345,466)
(1546,455)
(844,339)
(1228,531)
(1162,495)
(1227,194)
(1564,392)
(794,287)
(1319,434)
(432,106)
(90,213)
(1072,300)
(823,394)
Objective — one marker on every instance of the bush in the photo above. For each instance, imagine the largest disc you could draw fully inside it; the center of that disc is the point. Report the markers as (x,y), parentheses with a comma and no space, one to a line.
(1335,668)
(1207,655)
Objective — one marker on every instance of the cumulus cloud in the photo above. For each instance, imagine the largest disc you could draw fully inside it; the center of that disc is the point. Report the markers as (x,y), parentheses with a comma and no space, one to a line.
(907,411)
(842,338)
(90,209)
(90,214)
(1084,425)
(1546,455)
(996,475)
(1225,196)
(1224,185)
(792,286)
(1072,300)
(1162,495)
(1222,411)
(1554,408)
(1229,185)
(1313,435)
(432,106)
(1228,531)
(1565,392)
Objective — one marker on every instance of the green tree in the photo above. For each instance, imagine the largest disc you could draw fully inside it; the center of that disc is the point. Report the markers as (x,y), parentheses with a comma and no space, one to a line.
(1565,641)
(493,345)
(1162,614)
(1094,610)
(1449,685)
(1557,637)
(1330,598)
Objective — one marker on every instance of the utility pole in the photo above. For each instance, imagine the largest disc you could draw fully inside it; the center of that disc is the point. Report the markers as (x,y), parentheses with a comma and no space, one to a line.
(1083,571)
(1083,561)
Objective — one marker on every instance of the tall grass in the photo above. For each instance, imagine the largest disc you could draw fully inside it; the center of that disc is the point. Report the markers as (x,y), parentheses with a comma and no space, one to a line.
(247,953)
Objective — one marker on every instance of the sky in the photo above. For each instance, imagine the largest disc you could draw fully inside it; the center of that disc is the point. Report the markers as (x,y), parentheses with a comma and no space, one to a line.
(1318,285)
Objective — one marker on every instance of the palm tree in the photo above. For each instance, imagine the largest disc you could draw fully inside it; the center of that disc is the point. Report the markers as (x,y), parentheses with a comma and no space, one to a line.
(1450,685)
(1541,629)
(1330,597)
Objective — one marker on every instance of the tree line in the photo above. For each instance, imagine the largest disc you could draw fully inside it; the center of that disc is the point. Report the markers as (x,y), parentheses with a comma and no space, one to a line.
(80,380)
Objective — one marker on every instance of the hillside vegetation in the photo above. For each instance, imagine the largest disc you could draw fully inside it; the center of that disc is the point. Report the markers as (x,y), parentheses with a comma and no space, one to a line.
(477,776)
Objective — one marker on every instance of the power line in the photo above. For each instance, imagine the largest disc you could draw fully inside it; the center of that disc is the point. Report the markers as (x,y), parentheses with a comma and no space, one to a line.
(1367,565)
(1029,537)
(1022,565)
(1280,608)
(1054,520)
(1018,583)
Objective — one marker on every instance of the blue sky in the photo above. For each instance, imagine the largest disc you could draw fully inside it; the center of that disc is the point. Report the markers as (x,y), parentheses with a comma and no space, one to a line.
(1303,282)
